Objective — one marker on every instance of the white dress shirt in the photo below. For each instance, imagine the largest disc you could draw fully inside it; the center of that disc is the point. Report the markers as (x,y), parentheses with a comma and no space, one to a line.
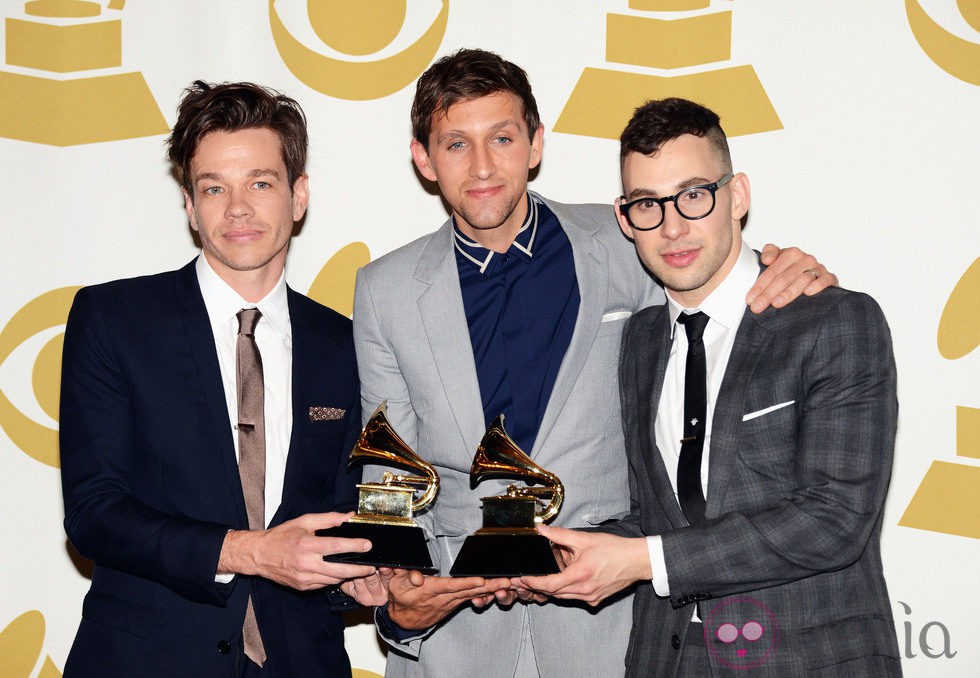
(273,334)
(724,307)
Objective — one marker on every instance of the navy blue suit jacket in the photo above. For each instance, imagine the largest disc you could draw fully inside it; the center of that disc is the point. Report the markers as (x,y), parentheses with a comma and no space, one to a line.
(151,483)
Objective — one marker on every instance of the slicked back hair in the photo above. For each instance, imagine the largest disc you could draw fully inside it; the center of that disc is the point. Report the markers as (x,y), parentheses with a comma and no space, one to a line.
(230,107)
(464,75)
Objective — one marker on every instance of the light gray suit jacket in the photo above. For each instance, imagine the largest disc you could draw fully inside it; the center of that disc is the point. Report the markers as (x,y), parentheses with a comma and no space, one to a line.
(413,350)
(801,453)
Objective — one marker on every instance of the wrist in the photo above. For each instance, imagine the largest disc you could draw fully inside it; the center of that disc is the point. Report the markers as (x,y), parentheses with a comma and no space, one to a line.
(642,569)
(236,555)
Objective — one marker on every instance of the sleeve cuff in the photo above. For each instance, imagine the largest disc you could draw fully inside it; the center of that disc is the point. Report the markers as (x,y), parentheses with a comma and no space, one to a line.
(655,546)
(392,631)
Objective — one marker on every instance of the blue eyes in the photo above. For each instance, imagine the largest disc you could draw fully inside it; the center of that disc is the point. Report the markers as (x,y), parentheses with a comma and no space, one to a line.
(218,190)
(500,141)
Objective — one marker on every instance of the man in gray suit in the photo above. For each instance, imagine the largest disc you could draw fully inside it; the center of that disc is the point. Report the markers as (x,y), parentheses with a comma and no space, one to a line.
(515,305)
(760,446)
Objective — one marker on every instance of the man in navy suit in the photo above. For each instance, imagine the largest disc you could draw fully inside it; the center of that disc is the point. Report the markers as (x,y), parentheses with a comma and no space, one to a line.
(760,446)
(150,440)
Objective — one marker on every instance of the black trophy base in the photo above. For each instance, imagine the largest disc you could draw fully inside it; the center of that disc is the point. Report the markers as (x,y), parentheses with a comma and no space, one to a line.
(504,555)
(391,546)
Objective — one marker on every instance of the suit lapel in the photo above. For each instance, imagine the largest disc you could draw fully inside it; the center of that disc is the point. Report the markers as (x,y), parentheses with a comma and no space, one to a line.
(592,274)
(200,337)
(444,319)
(303,359)
(650,381)
(751,340)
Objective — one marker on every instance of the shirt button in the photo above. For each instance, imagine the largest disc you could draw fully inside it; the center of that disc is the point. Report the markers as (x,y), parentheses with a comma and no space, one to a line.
(224,647)
(675,642)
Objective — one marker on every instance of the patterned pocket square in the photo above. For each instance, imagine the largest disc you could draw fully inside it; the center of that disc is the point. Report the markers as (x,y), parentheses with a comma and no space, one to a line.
(327,413)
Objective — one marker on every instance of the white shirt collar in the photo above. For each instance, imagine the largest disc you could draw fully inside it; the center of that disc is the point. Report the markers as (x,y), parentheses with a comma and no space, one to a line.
(481,256)
(223,302)
(726,304)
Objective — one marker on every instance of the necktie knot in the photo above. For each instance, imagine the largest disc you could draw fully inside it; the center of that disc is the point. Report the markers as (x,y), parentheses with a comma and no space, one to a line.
(694,324)
(248,318)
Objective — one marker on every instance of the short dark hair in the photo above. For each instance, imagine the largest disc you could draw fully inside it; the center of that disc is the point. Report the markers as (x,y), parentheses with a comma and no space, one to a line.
(659,121)
(464,75)
(230,107)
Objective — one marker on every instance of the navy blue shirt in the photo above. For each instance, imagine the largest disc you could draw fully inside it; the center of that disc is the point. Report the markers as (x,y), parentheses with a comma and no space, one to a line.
(521,306)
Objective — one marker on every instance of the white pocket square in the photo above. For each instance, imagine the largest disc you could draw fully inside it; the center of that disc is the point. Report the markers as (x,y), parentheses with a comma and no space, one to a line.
(616,315)
(767,410)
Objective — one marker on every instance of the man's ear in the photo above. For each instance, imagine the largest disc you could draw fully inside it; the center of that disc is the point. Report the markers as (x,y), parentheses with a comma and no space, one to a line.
(301,196)
(422,161)
(741,196)
(624,225)
(189,208)
(537,146)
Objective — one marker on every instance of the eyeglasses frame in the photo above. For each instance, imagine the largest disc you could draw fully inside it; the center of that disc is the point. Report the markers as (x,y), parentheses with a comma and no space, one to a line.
(624,207)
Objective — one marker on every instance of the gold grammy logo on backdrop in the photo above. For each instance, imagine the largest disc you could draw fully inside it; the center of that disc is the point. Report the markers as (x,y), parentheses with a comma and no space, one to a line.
(669,38)
(47,311)
(958,57)
(334,284)
(21,643)
(46,101)
(356,28)
(948,499)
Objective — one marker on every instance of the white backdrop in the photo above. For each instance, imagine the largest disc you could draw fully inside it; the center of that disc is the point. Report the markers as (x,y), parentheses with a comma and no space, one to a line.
(873,170)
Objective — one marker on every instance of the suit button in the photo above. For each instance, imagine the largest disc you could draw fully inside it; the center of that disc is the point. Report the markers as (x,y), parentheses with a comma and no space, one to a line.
(675,642)
(224,647)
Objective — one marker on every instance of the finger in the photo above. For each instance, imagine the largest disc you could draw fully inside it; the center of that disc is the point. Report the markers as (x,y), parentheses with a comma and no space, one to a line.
(330,545)
(560,535)
(465,585)
(481,601)
(783,281)
(341,571)
(529,596)
(549,584)
(769,253)
(822,280)
(795,280)
(312,522)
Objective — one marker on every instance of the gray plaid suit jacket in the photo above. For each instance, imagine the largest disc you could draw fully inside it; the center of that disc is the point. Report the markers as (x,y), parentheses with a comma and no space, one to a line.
(794,497)
(413,349)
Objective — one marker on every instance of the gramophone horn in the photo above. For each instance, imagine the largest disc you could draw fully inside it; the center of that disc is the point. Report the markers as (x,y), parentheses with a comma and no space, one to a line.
(379,443)
(499,456)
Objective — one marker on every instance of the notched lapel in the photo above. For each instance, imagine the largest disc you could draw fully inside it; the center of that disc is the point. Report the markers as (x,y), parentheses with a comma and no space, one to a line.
(201,340)
(592,275)
(444,320)
(651,381)
(304,356)
(751,340)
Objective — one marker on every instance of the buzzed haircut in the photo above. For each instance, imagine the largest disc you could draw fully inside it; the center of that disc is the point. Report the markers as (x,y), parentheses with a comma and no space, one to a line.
(656,122)
(230,107)
(464,75)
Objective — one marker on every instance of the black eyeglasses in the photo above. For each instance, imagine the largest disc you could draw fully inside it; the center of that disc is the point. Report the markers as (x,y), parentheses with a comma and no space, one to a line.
(696,202)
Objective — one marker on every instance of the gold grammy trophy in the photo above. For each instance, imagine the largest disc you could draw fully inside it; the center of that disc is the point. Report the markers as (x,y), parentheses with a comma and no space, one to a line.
(385,509)
(508,544)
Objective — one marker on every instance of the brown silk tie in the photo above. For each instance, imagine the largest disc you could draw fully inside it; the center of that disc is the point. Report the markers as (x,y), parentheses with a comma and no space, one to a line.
(251,452)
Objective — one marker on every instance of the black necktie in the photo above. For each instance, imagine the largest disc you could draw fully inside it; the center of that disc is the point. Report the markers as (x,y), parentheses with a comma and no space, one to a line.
(251,452)
(695,413)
